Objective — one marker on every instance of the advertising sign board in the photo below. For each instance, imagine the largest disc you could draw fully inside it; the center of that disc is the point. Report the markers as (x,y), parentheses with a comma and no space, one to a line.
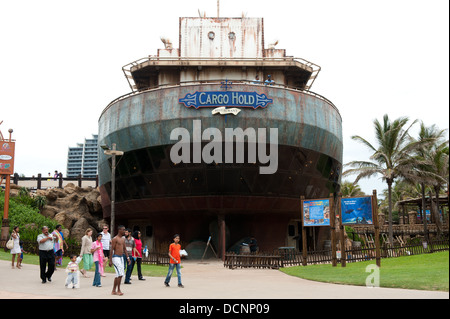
(7,157)
(316,212)
(356,210)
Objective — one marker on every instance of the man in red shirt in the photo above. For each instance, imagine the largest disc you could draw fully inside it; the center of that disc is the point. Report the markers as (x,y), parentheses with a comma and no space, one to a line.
(175,261)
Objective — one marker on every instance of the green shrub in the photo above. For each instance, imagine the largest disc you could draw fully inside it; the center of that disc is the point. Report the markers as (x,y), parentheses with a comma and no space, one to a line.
(23,210)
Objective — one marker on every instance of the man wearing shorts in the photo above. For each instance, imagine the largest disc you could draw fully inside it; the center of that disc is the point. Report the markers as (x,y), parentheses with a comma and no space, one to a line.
(117,250)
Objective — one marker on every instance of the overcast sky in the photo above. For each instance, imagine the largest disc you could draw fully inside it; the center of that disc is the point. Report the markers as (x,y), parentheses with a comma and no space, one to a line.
(61,62)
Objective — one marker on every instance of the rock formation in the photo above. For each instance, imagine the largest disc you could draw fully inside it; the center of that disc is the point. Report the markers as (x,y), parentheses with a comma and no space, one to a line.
(75,208)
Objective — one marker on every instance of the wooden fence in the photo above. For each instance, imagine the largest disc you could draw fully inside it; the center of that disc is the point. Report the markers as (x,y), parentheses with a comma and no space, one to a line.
(44,182)
(281,258)
(154,258)
(252,260)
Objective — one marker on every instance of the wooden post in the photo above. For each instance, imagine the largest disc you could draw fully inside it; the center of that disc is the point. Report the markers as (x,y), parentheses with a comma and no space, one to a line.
(5,222)
(377,228)
(304,240)
(16,179)
(436,222)
(4,233)
(222,236)
(333,230)
(341,228)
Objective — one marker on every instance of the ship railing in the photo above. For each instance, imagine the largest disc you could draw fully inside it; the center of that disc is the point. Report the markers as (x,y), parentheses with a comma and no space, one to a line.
(219,82)
(152,59)
(253,61)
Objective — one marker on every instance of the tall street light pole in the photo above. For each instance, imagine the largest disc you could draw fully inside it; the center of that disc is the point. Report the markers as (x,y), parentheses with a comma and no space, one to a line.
(113,153)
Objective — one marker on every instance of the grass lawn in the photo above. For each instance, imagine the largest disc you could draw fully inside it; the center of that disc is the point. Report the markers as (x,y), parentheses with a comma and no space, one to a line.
(147,270)
(424,272)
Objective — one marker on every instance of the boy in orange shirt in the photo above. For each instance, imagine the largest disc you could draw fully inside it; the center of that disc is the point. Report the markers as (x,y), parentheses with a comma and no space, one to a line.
(175,261)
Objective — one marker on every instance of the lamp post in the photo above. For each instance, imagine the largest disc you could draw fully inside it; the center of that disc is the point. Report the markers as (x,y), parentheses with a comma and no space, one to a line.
(113,153)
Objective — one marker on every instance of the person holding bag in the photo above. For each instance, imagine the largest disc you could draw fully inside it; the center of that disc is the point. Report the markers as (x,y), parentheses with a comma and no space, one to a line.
(15,250)
(175,261)
(98,258)
(85,252)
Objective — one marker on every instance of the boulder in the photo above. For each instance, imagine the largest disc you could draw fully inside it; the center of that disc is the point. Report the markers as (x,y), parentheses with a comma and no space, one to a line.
(75,208)
(49,211)
(79,228)
(66,220)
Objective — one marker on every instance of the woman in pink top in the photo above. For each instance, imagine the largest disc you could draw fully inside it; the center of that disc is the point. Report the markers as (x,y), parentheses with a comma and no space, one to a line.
(97,256)
(137,253)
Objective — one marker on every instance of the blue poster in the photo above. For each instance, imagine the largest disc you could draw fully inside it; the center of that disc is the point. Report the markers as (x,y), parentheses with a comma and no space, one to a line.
(356,210)
(316,212)
(428,215)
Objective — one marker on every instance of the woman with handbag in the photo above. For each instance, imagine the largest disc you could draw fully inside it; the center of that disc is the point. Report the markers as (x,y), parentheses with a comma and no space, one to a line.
(16,247)
(85,253)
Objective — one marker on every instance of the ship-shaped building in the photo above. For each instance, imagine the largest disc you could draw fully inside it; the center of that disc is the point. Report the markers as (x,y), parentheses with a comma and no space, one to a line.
(210,150)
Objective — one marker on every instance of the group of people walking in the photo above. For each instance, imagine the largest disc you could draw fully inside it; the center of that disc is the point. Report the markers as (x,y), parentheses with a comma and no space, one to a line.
(98,252)
(124,251)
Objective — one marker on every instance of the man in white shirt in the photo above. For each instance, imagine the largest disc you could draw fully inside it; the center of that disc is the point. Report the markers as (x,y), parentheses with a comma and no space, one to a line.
(46,254)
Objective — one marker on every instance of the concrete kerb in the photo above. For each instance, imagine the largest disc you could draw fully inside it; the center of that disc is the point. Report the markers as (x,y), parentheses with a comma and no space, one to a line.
(209,280)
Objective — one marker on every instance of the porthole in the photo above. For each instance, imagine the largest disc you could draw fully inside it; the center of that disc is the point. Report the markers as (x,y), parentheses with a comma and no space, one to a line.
(211,35)
(232,35)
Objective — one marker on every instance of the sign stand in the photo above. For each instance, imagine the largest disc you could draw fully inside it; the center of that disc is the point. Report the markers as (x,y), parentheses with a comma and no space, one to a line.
(206,248)
(377,228)
(374,215)
(314,213)
(333,231)
(335,211)
(304,238)
(342,237)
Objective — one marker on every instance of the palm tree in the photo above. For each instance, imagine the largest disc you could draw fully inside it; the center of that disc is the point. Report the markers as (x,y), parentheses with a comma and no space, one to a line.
(401,190)
(439,166)
(430,158)
(348,189)
(390,159)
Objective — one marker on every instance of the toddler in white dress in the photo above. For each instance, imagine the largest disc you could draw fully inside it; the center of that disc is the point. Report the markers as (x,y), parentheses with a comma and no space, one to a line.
(73,272)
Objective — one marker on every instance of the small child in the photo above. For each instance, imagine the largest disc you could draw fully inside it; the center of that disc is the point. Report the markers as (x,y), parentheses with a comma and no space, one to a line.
(72,270)
(175,261)
(20,258)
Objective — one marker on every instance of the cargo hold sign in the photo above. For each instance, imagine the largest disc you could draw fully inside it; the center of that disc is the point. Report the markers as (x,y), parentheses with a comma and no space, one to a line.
(226,99)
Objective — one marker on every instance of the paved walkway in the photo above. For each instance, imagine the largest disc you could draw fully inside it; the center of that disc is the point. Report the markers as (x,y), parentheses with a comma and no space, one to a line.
(202,281)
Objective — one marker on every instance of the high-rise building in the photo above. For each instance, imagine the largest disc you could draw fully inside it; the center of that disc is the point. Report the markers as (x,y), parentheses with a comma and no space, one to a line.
(82,159)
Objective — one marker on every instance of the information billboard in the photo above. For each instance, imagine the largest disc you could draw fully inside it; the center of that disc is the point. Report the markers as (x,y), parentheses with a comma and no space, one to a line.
(316,212)
(7,158)
(356,210)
